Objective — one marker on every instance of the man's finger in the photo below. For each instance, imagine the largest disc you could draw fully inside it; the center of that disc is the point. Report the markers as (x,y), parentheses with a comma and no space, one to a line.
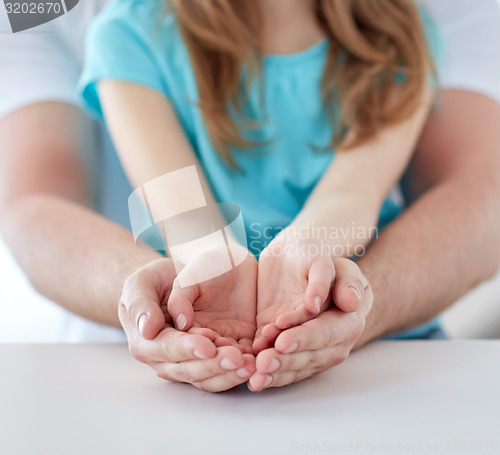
(320,332)
(260,381)
(265,338)
(228,359)
(141,313)
(141,300)
(229,379)
(272,361)
(350,286)
(172,346)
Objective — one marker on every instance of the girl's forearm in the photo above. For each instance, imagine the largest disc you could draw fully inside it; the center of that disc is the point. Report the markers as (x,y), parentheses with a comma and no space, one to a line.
(343,225)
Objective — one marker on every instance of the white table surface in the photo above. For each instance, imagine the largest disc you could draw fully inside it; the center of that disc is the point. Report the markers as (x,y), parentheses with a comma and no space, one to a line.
(390,397)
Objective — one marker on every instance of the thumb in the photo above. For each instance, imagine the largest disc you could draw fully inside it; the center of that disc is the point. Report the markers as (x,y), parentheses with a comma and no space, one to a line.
(320,279)
(142,313)
(349,288)
(180,305)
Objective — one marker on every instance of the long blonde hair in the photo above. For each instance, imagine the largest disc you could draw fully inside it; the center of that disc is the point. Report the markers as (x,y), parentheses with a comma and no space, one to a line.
(372,41)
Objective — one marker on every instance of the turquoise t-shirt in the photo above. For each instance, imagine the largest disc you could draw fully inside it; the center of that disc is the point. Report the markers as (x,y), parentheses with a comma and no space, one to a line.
(139,41)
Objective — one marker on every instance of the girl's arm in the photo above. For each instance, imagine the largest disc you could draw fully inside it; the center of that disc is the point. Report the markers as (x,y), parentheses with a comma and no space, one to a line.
(351,192)
(339,217)
(151,143)
(146,133)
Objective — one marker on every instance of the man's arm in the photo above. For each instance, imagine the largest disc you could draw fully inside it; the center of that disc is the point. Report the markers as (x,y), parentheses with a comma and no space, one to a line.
(448,240)
(441,247)
(71,255)
(81,260)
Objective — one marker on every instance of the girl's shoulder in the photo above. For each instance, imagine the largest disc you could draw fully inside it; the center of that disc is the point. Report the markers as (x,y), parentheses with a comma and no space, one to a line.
(135,10)
(149,22)
(135,41)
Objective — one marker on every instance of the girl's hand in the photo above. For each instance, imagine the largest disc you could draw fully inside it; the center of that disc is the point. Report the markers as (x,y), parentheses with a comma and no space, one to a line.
(224,304)
(294,285)
(318,344)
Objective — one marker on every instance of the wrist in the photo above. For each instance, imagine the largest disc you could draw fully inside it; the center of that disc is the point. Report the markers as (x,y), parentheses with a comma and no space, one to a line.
(345,236)
(377,316)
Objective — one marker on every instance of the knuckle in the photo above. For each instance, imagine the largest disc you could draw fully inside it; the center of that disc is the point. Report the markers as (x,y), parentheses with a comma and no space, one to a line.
(178,372)
(357,329)
(328,340)
(341,357)
(204,387)
(213,369)
(311,360)
(165,376)
(131,282)
(294,377)
(164,351)
(323,288)
(356,283)
(137,353)
(131,307)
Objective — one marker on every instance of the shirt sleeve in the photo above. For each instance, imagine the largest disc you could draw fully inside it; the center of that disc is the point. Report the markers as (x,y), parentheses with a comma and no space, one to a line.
(117,47)
(471,33)
(35,67)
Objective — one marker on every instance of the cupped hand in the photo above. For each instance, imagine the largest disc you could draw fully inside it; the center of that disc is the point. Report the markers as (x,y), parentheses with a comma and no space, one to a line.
(199,356)
(225,304)
(211,351)
(294,286)
(320,343)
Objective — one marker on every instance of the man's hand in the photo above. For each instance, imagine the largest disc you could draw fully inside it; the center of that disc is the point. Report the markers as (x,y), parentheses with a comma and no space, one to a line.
(203,356)
(318,344)
(295,283)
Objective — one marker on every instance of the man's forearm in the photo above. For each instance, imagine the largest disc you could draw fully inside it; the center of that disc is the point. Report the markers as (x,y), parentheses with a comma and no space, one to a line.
(72,255)
(443,246)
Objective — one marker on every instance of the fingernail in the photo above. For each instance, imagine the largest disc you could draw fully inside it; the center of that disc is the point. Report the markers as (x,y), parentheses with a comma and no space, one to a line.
(200,355)
(269,379)
(142,320)
(275,364)
(293,347)
(228,364)
(181,321)
(243,373)
(317,303)
(356,291)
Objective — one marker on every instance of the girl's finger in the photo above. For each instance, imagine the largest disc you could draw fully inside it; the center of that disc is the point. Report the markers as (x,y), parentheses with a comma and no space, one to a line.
(203,331)
(227,341)
(229,379)
(271,331)
(320,279)
(180,305)
(260,343)
(293,318)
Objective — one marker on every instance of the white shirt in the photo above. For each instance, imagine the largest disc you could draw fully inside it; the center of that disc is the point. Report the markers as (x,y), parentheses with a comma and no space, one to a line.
(44,63)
